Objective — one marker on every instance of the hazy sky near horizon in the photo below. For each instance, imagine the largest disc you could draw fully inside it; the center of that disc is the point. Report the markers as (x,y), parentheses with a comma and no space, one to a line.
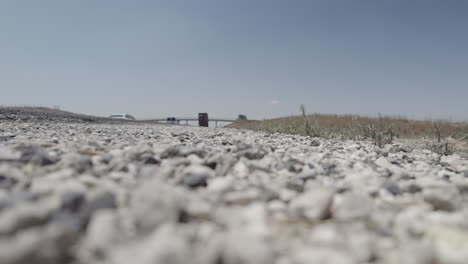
(262,58)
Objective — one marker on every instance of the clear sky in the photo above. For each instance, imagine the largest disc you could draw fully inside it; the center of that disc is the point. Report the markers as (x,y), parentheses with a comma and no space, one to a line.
(262,58)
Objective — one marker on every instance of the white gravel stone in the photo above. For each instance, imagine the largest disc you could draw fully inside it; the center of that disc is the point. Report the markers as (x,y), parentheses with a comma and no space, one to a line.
(451,244)
(353,205)
(313,205)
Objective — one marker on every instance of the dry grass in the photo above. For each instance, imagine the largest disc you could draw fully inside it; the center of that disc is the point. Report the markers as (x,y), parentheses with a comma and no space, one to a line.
(405,128)
(354,127)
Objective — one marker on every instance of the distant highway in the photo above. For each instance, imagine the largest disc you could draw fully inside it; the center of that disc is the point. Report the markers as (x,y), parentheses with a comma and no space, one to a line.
(187,119)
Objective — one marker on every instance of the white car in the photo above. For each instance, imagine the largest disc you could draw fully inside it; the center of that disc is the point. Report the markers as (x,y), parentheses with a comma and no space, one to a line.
(122,117)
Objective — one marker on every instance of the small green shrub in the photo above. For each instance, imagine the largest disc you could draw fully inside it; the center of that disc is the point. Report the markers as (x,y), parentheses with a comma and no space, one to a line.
(464,136)
(444,148)
(307,127)
(381,134)
(353,131)
(437,130)
(440,144)
(312,130)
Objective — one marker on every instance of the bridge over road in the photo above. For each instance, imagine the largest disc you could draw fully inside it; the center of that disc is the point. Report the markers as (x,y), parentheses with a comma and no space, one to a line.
(187,119)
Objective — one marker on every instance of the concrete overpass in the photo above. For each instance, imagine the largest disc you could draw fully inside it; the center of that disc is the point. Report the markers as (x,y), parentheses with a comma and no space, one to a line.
(187,119)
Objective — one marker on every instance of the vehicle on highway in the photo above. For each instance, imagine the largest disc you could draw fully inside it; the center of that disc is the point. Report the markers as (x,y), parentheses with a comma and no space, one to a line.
(122,117)
(172,120)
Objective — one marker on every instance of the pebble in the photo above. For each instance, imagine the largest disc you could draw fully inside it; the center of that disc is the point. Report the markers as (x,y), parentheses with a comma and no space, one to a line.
(351,205)
(313,205)
(450,244)
(445,198)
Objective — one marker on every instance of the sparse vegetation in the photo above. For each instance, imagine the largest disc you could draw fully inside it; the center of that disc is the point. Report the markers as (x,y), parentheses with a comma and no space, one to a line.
(381,134)
(441,148)
(441,143)
(443,138)
(309,131)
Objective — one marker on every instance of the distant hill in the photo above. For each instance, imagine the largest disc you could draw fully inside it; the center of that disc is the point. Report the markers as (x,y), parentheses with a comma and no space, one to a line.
(14,113)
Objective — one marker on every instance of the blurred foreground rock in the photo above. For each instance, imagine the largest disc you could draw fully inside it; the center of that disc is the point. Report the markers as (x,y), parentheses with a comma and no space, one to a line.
(140,193)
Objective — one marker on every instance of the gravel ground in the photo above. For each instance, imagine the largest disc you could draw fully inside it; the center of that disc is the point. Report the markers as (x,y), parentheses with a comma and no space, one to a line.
(42,114)
(141,193)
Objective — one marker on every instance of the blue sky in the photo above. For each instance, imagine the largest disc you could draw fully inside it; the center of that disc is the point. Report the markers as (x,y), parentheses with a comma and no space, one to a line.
(262,58)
